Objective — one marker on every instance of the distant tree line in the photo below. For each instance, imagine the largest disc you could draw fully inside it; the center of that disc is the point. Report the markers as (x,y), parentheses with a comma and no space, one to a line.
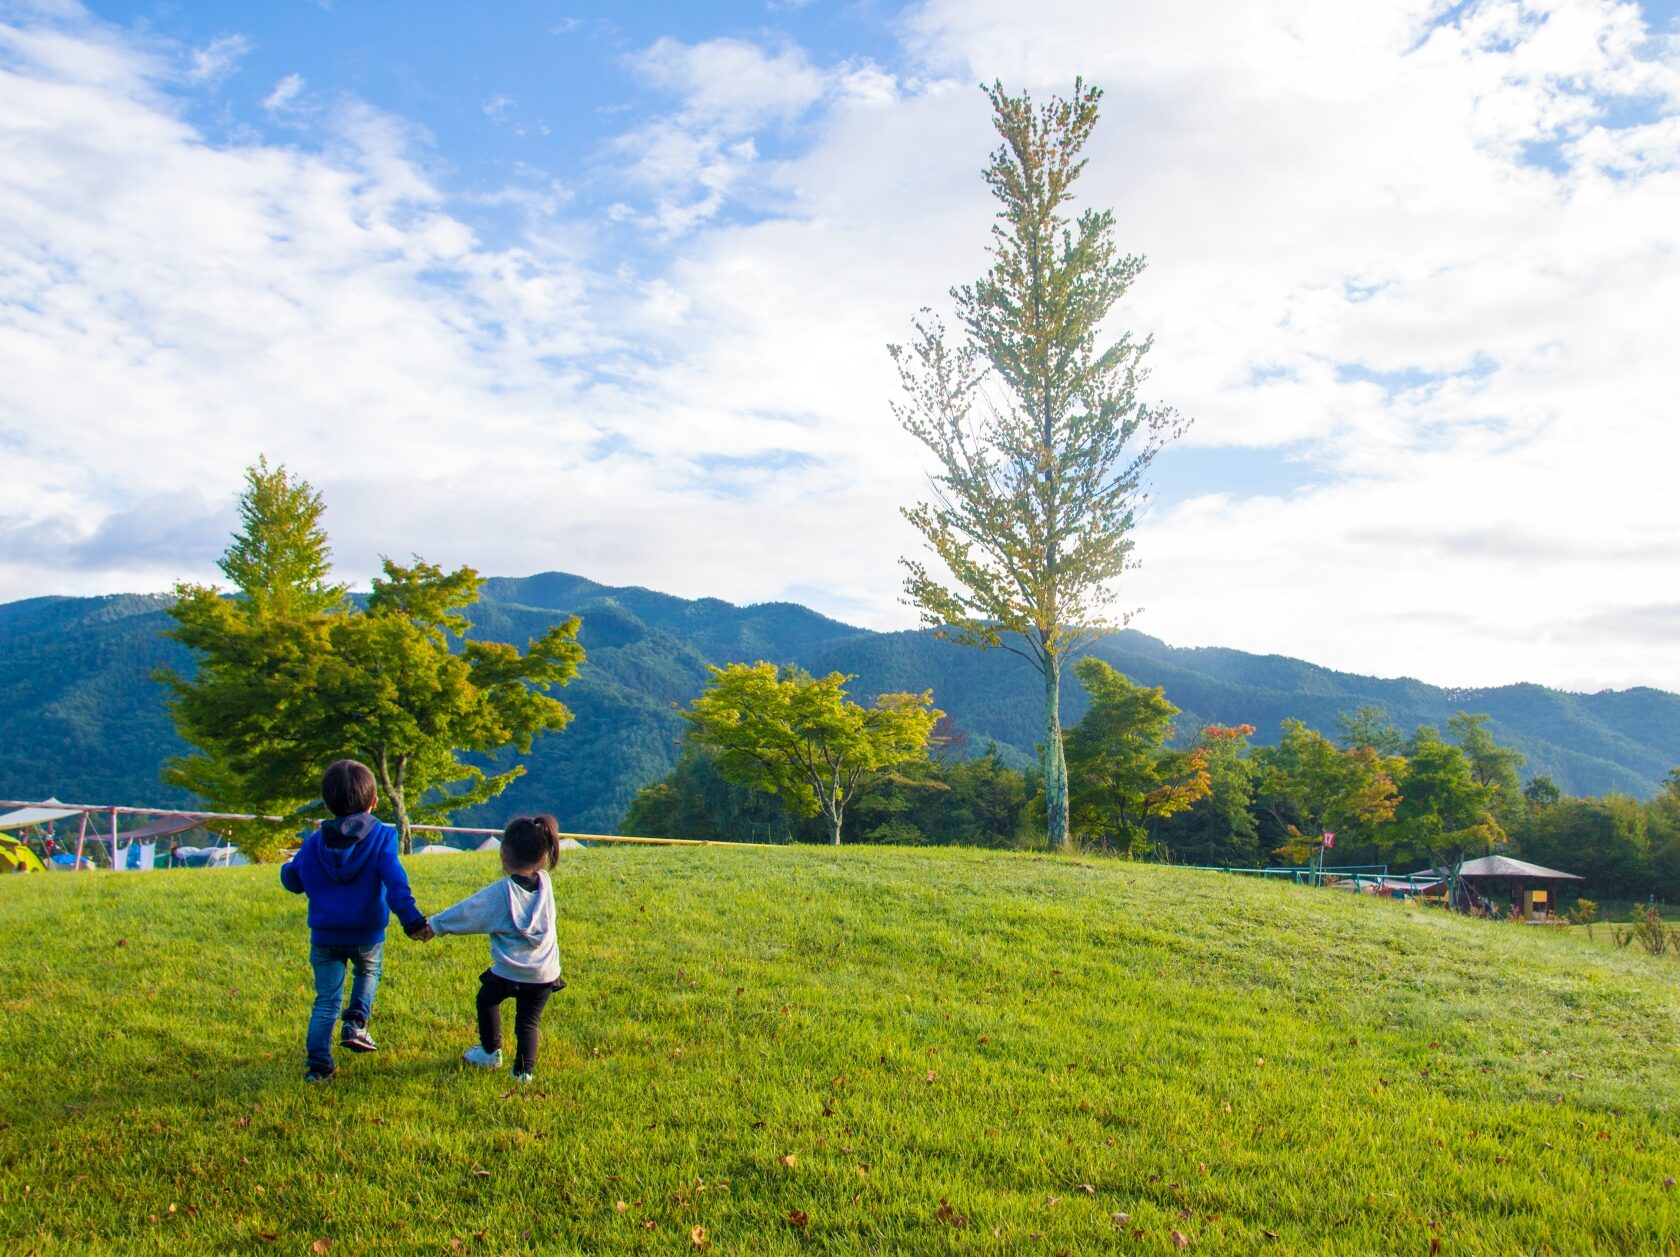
(1407,801)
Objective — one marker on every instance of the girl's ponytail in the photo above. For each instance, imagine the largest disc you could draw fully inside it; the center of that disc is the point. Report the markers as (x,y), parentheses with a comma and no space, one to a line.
(532,841)
(549,830)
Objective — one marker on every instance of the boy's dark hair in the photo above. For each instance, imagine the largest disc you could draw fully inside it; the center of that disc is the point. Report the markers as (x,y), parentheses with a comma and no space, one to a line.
(347,787)
(532,842)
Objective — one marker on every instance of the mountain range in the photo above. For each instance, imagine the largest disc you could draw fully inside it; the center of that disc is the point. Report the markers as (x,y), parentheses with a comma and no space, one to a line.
(81,718)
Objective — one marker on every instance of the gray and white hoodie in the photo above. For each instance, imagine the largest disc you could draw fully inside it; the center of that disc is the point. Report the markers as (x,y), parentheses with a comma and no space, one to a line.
(520,924)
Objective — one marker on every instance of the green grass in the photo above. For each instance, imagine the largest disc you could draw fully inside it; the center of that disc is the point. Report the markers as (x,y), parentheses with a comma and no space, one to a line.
(857,1035)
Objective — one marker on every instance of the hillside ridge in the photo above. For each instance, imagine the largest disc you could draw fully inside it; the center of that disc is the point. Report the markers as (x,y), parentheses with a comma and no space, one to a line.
(81,716)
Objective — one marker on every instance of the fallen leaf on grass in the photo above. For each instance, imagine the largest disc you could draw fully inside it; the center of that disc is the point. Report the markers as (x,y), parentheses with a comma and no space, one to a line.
(621,1206)
(1669,1181)
(697,1236)
(798,1217)
(649,1225)
(1271,1235)
(1088,1189)
(321,1245)
(504,1095)
(268,1237)
(1180,1239)
(1119,1219)
(1434,1244)
(481,1173)
(949,1216)
(789,1160)
(931,1075)
(1052,1200)
(245,1120)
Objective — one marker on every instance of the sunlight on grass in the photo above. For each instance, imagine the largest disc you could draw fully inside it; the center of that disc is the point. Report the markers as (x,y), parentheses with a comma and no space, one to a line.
(855,1050)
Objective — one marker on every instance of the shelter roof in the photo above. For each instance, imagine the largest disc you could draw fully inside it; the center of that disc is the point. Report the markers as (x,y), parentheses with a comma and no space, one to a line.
(26,816)
(160,829)
(1504,866)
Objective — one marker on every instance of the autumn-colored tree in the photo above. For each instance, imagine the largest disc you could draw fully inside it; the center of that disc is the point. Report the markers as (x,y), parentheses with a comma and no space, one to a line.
(1039,435)
(800,738)
(1219,828)
(1310,786)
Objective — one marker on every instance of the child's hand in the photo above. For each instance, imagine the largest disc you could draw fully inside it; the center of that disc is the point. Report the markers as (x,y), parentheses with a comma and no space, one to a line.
(424,934)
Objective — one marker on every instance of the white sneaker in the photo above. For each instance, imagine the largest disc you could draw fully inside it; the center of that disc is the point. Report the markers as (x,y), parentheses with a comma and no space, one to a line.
(476,1055)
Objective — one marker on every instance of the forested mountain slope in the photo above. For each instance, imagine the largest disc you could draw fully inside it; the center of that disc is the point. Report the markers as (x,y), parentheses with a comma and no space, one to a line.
(80,716)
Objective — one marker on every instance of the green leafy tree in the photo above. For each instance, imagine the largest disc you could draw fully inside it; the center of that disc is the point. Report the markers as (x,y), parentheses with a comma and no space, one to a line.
(258,651)
(1444,810)
(695,800)
(799,737)
(1039,436)
(1540,793)
(392,692)
(1494,767)
(291,675)
(1370,726)
(1605,840)
(1120,776)
(1310,786)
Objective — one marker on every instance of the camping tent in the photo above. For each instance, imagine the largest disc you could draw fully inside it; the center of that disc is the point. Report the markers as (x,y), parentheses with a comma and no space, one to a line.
(17,858)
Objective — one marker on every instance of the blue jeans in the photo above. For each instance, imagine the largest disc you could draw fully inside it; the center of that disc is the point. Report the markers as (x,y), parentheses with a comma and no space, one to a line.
(329,964)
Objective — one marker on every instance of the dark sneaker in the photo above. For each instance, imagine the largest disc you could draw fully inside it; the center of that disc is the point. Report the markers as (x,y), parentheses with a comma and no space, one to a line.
(357,1039)
(317,1074)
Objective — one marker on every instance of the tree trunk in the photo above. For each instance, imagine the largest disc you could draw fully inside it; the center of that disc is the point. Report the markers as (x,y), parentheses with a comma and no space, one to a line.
(1055,764)
(400,802)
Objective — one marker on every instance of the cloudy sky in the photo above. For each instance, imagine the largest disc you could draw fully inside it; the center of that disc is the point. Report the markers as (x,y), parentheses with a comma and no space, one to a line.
(606,288)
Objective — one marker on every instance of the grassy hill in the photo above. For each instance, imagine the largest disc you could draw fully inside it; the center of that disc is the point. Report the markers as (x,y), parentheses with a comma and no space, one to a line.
(1067,1056)
(81,718)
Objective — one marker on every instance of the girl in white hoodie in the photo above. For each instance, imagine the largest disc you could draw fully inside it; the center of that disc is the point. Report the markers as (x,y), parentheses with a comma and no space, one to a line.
(518,915)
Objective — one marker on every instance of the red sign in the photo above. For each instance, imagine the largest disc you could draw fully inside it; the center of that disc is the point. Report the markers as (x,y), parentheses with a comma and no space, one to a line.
(1329,840)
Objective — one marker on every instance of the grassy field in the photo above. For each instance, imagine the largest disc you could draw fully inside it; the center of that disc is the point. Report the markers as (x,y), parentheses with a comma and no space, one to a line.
(888,1051)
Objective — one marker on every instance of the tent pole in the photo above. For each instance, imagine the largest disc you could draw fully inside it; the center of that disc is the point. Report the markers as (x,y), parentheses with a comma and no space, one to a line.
(115,867)
(81,840)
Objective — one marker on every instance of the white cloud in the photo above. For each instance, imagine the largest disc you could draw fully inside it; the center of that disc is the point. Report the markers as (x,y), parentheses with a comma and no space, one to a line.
(285,94)
(211,64)
(1434,258)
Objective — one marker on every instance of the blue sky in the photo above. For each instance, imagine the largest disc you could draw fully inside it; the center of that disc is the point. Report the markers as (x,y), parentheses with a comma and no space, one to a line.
(635,266)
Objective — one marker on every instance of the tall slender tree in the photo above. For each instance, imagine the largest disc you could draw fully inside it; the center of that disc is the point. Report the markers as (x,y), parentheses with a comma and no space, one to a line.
(1040,439)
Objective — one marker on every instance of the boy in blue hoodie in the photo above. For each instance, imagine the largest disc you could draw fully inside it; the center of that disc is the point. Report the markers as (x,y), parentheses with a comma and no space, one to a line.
(350,871)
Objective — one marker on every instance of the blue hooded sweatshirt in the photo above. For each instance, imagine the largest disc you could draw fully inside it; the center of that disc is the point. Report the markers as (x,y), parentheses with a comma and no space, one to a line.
(350,871)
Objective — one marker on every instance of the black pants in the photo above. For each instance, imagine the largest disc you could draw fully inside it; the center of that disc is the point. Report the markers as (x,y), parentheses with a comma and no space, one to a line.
(529,1000)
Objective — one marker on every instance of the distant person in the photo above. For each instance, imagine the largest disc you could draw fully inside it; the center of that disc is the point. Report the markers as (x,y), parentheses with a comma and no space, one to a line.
(350,871)
(518,915)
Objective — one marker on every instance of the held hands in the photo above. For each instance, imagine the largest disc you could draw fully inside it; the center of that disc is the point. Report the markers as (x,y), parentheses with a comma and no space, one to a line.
(422,932)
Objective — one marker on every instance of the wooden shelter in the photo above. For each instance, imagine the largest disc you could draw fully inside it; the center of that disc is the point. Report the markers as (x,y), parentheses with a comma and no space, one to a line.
(1501,883)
